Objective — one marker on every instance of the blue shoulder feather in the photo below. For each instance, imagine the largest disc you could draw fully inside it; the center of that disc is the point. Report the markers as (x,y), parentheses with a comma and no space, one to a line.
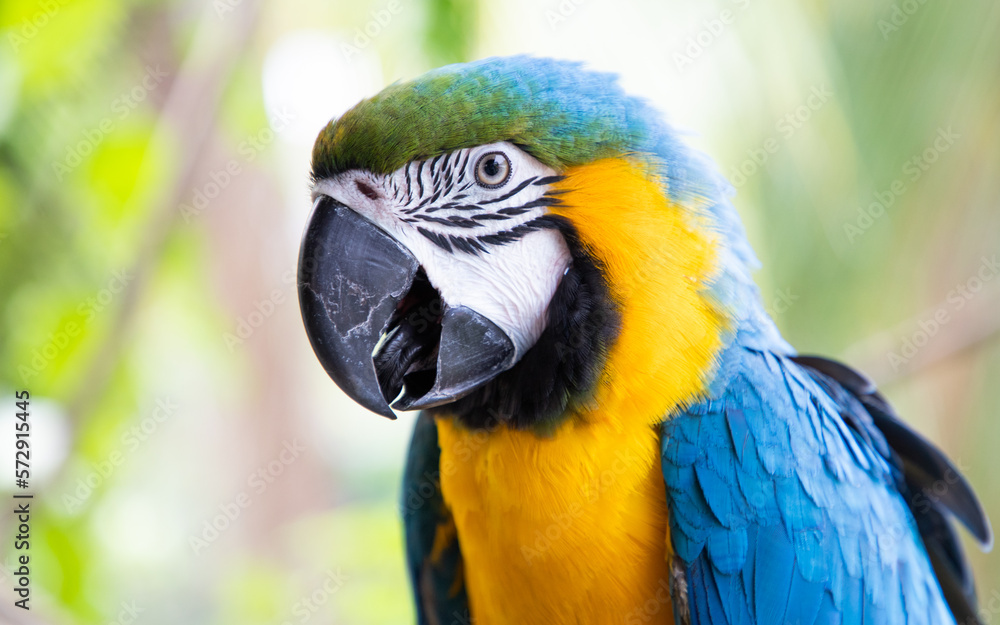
(780,512)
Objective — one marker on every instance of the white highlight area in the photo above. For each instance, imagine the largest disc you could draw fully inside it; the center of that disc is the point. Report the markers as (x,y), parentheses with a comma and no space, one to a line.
(307,76)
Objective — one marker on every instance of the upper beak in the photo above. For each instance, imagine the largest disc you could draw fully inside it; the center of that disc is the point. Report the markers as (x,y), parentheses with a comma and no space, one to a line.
(379,328)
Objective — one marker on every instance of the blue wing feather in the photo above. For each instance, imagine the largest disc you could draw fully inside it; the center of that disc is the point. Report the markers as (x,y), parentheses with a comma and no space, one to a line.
(782,512)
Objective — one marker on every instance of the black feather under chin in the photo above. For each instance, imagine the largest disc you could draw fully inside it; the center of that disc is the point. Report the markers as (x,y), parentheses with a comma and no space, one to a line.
(565,364)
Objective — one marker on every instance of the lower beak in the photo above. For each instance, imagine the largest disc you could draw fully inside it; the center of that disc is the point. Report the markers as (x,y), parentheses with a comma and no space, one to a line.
(379,328)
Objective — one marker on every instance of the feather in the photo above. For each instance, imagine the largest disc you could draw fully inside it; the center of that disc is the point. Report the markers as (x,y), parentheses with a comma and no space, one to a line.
(829,539)
(433,555)
(932,485)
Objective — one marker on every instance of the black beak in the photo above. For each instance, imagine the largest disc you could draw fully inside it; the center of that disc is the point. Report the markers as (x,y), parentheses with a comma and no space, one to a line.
(377,325)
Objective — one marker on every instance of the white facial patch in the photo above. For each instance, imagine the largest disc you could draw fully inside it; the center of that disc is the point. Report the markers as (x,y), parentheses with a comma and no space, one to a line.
(475,219)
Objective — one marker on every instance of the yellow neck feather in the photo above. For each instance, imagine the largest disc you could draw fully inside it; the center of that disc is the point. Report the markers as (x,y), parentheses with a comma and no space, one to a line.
(657,258)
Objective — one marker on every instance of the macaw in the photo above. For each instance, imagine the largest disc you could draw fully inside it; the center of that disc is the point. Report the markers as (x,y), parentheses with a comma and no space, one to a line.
(612,429)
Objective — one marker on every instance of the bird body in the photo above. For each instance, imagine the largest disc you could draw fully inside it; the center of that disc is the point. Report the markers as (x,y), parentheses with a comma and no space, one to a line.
(613,430)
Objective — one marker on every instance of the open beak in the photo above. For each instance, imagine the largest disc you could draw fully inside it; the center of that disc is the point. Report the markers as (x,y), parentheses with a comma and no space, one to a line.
(378,326)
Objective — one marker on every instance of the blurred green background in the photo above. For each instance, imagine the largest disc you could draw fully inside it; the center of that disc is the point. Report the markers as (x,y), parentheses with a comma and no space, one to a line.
(194,464)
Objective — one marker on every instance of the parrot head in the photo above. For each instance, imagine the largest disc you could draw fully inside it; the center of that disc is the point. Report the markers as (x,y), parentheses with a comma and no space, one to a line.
(492,239)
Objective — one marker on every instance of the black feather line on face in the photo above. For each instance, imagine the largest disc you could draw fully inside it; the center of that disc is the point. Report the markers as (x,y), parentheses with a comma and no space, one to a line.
(406,171)
(510,194)
(461,168)
(435,238)
(434,163)
(475,244)
(454,221)
(563,367)
(490,217)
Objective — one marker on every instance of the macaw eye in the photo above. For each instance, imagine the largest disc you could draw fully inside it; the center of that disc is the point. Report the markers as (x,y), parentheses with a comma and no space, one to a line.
(493,170)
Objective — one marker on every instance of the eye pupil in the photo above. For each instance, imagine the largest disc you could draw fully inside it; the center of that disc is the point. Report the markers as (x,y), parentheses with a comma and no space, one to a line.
(493,170)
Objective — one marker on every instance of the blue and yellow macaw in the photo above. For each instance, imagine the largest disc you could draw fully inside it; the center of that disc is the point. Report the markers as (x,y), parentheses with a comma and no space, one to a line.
(612,428)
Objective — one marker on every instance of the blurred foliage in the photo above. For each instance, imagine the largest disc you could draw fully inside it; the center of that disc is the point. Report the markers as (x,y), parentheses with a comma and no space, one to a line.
(450,31)
(111,303)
